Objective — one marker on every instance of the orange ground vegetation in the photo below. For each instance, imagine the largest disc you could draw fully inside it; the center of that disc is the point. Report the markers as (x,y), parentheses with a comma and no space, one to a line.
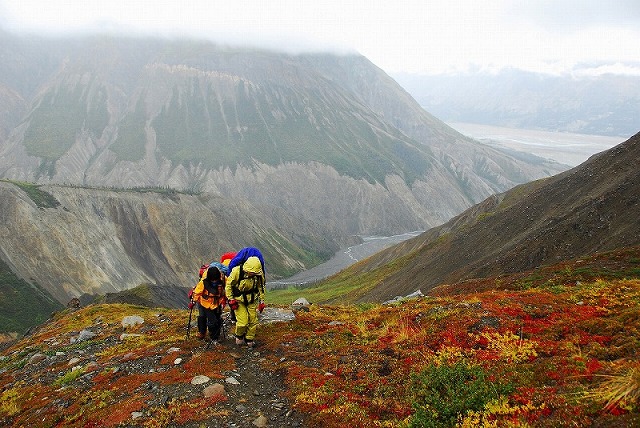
(569,351)
(556,347)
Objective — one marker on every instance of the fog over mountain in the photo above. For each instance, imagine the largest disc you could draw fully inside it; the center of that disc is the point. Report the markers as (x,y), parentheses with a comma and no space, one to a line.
(586,102)
(414,36)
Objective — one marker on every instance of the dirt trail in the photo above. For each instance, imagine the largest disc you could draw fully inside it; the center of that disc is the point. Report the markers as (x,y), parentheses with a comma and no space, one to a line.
(257,400)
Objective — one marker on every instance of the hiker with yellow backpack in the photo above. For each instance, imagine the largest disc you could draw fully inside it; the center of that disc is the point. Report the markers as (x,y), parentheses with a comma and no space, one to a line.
(245,292)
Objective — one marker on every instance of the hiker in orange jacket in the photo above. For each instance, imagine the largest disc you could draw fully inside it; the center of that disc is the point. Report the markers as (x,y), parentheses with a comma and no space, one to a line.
(245,293)
(209,295)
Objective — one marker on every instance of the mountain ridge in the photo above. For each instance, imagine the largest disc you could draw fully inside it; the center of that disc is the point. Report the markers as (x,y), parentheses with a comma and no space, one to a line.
(587,209)
(198,117)
(294,154)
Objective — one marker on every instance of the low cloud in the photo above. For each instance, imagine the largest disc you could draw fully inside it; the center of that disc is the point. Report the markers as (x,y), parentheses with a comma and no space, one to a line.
(409,36)
(617,68)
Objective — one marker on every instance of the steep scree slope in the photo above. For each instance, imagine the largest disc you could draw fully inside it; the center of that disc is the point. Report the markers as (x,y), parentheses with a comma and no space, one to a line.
(99,241)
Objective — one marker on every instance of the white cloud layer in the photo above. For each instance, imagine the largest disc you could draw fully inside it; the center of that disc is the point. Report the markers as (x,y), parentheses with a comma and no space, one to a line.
(412,36)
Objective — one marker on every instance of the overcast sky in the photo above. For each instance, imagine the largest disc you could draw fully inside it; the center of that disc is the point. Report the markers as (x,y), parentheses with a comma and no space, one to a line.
(426,36)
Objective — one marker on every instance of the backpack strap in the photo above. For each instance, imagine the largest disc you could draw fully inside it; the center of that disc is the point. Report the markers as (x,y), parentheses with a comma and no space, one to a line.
(258,283)
(212,290)
(241,272)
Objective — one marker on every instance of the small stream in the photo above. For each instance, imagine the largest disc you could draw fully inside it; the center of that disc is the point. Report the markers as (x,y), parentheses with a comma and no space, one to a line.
(343,259)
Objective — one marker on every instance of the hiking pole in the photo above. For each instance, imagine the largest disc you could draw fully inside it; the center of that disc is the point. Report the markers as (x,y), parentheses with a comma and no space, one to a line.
(189,323)
(225,318)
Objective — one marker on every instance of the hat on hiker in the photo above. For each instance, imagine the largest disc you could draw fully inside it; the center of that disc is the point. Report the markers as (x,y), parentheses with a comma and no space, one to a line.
(253,265)
(213,273)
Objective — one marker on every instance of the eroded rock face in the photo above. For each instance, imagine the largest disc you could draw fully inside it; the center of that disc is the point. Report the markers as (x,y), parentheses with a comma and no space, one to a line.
(99,241)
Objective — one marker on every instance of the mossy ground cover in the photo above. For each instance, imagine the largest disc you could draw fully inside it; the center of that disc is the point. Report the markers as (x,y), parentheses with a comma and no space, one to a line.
(114,376)
(561,343)
(41,198)
(549,359)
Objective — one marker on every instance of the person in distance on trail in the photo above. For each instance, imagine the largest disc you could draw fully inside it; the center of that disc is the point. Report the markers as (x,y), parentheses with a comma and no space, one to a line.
(209,294)
(225,260)
(245,293)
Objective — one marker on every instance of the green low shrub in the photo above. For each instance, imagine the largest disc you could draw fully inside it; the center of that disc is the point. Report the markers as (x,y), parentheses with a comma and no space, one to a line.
(444,393)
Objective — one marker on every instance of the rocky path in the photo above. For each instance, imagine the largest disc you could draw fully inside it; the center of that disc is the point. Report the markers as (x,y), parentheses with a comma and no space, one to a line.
(255,395)
(256,399)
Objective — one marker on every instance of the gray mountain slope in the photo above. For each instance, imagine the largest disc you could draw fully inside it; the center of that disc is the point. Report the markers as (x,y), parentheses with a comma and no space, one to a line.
(323,136)
(591,208)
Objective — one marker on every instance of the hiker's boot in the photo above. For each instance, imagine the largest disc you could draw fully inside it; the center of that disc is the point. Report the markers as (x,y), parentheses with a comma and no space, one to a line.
(214,337)
(201,335)
(250,343)
(240,340)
